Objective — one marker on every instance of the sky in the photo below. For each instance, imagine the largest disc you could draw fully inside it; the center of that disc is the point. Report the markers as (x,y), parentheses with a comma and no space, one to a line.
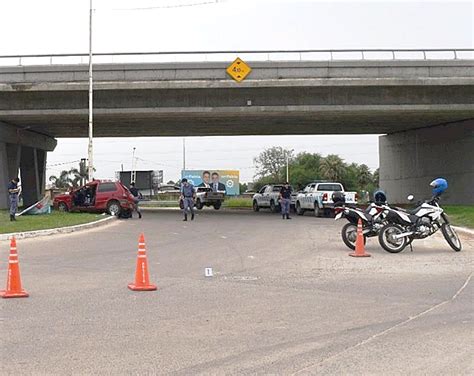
(58,26)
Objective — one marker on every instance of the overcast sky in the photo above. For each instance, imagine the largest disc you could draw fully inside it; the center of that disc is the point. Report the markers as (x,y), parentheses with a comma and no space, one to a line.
(59,26)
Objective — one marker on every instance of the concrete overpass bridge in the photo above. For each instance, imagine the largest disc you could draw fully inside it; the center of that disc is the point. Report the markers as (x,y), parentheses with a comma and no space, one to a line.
(425,108)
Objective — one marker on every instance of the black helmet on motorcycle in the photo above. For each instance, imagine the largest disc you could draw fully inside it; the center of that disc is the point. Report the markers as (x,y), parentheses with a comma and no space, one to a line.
(338,198)
(380,197)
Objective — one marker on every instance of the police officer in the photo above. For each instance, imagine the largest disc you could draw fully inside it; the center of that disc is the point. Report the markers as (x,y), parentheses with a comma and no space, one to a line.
(13,192)
(285,200)
(137,197)
(187,195)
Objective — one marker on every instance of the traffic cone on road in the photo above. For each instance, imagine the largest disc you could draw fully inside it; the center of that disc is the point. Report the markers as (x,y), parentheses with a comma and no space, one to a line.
(142,280)
(14,289)
(359,246)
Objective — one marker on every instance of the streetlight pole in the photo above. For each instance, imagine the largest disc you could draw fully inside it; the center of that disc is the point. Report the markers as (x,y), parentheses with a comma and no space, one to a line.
(90,149)
(133,174)
(184,153)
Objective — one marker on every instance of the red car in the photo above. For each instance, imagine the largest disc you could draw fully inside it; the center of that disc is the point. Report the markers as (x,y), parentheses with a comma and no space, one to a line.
(98,196)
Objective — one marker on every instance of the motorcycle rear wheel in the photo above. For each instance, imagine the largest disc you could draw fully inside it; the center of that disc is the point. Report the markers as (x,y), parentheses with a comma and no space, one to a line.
(451,237)
(387,241)
(349,235)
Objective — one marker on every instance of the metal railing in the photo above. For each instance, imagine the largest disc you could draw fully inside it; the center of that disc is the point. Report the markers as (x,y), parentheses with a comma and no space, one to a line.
(251,55)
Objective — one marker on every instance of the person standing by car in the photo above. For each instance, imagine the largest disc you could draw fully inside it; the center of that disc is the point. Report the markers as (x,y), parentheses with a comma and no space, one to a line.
(285,200)
(13,192)
(187,196)
(137,197)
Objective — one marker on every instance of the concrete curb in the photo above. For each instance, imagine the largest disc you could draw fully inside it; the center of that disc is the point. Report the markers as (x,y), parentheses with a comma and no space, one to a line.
(59,230)
(464,230)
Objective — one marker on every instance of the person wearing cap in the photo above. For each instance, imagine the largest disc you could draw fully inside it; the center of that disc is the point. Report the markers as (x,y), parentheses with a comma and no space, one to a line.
(137,196)
(13,192)
(285,200)
(187,196)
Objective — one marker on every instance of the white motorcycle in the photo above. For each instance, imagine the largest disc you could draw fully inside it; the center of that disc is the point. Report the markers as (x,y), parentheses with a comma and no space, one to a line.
(405,226)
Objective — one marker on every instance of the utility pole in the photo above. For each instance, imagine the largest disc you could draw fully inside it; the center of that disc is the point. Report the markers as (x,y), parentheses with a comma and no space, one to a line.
(90,173)
(133,173)
(184,153)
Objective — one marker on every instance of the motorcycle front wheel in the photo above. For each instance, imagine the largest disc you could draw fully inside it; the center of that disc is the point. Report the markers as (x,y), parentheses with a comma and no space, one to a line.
(349,235)
(451,237)
(387,240)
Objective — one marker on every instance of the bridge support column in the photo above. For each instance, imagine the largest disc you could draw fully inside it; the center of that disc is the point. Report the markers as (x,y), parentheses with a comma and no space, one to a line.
(410,160)
(23,151)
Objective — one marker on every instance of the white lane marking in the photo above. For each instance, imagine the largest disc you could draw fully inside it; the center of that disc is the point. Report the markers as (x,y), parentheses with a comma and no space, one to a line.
(251,257)
(406,321)
(223,237)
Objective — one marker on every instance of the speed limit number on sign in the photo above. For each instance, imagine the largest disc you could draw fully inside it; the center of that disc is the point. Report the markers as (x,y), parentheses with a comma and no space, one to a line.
(238,70)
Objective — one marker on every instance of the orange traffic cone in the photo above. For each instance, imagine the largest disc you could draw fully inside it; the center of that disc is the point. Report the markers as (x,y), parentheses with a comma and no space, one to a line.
(14,289)
(359,248)
(142,281)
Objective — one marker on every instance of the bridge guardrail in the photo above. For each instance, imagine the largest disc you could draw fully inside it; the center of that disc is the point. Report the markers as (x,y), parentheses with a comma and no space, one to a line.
(249,55)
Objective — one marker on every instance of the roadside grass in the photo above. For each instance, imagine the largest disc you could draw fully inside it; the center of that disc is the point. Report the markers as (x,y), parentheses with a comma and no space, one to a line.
(238,202)
(44,221)
(460,215)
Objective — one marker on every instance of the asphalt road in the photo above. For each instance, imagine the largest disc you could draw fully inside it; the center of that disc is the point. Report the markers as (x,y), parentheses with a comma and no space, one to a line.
(285,299)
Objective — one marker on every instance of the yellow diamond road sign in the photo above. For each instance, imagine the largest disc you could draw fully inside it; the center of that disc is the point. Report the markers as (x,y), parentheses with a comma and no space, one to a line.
(238,70)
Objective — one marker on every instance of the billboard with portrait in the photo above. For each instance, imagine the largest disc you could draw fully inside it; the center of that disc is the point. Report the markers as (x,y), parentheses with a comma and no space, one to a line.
(221,180)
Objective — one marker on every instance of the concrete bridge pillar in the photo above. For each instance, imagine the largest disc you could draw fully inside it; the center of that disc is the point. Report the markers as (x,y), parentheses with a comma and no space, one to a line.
(410,160)
(23,154)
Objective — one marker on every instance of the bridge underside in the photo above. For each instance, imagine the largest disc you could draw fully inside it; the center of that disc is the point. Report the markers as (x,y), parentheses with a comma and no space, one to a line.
(244,111)
(425,108)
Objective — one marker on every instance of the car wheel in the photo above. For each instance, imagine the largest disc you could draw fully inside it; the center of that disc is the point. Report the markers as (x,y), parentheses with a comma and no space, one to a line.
(199,204)
(299,210)
(217,205)
(273,207)
(317,211)
(113,208)
(62,207)
(255,206)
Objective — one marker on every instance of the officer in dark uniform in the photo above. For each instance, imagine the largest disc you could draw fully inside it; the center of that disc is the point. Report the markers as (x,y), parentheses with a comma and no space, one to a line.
(13,192)
(187,195)
(137,197)
(285,200)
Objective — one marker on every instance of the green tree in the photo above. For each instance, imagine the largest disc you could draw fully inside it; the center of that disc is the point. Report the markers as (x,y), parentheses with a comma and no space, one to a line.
(332,167)
(272,163)
(364,176)
(304,169)
(376,178)
(62,181)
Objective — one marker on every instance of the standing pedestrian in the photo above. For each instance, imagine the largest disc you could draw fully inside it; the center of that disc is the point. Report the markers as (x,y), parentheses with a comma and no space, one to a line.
(13,192)
(137,197)
(285,200)
(187,195)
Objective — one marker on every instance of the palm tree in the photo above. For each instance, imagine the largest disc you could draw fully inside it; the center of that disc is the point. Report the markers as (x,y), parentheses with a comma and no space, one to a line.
(364,176)
(332,167)
(62,181)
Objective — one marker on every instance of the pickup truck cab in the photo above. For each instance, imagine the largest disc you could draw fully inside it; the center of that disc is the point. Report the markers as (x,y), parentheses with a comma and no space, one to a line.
(269,197)
(317,197)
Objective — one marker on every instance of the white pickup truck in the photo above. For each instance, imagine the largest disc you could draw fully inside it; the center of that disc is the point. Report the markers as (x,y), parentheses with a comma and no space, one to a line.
(269,197)
(317,197)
